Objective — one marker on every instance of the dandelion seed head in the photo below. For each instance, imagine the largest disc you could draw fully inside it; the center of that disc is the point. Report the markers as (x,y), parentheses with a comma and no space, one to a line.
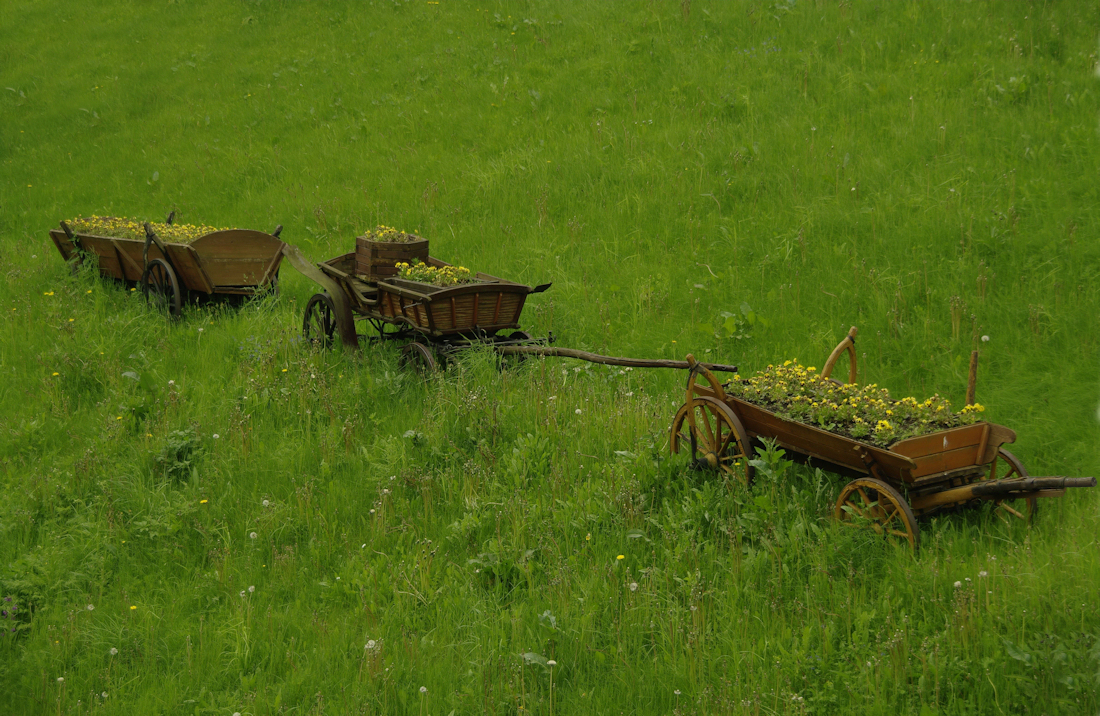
(423,689)
(958,585)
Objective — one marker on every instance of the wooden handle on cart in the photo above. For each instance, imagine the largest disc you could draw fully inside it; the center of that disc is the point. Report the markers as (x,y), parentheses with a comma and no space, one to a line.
(848,344)
(345,322)
(607,360)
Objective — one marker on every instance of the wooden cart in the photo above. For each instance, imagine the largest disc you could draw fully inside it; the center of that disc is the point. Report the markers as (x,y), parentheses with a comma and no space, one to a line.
(236,262)
(433,321)
(893,486)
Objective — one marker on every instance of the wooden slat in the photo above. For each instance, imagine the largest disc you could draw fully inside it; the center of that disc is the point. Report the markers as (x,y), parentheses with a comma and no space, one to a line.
(130,268)
(454,313)
(63,244)
(945,461)
(237,257)
(966,436)
(185,260)
(810,440)
(496,311)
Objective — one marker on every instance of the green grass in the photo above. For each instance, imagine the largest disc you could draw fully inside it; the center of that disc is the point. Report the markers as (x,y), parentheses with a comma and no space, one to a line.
(924,171)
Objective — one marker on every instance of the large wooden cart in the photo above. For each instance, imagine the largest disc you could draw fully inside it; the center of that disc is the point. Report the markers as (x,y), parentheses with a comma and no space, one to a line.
(432,321)
(892,486)
(236,262)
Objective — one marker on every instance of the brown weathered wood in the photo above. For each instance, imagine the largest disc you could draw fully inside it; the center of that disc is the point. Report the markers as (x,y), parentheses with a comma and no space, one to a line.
(65,245)
(126,262)
(1001,489)
(607,360)
(972,380)
(496,311)
(378,259)
(848,344)
(237,257)
(188,266)
(345,322)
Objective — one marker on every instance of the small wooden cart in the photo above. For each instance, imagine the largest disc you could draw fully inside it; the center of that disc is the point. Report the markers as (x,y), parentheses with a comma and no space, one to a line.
(893,486)
(236,262)
(433,321)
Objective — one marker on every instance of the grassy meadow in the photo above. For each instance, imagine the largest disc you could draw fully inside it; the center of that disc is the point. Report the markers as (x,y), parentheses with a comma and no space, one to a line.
(208,517)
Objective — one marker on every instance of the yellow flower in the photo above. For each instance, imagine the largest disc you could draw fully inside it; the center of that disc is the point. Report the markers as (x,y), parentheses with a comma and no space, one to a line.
(132,607)
(203,502)
(56,374)
(621,556)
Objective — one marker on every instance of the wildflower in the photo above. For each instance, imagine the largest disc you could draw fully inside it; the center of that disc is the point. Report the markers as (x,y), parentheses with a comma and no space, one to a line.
(252,589)
(171,383)
(284,370)
(203,501)
(133,608)
(90,607)
(61,679)
(958,585)
(588,537)
(252,535)
(242,594)
(423,689)
(215,436)
(104,694)
(985,339)
(56,374)
(677,692)
(551,663)
(266,503)
(621,556)
(633,586)
(577,411)
(370,645)
(983,574)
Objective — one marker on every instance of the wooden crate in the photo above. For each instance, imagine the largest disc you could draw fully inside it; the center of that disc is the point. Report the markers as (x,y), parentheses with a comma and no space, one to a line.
(375,260)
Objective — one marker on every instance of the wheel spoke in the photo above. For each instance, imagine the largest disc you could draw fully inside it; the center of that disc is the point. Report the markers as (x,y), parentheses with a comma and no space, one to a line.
(709,435)
(892,516)
(1011,511)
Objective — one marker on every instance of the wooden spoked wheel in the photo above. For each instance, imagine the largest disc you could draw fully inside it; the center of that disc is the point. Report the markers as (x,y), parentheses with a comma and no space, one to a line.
(319,321)
(867,502)
(418,357)
(716,438)
(162,288)
(1006,466)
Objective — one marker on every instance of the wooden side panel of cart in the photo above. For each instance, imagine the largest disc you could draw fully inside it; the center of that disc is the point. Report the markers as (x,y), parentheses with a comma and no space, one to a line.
(828,449)
(233,261)
(486,306)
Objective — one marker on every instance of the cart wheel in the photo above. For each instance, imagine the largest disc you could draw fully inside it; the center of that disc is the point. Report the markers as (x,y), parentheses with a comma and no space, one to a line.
(867,502)
(419,357)
(1011,467)
(716,437)
(162,288)
(319,322)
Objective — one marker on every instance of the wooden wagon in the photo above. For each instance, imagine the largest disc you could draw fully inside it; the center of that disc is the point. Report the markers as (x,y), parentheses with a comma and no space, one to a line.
(893,486)
(235,262)
(432,320)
